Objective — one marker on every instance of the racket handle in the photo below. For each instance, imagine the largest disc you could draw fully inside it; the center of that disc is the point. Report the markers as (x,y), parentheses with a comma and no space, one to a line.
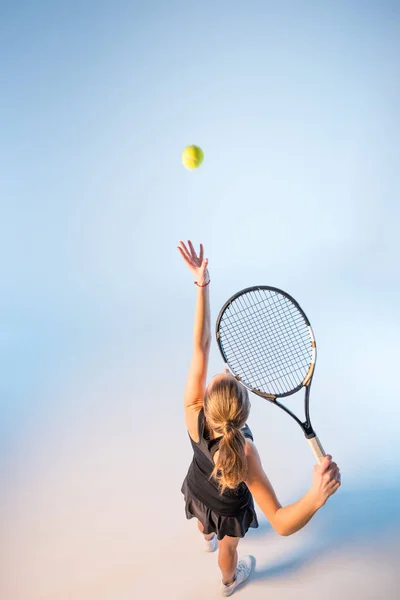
(317,448)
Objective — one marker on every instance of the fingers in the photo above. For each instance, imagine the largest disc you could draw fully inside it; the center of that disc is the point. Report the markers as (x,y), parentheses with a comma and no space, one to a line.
(204,265)
(334,470)
(192,250)
(183,253)
(325,464)
(333,473)
(334,488)
(338,475)
(190,256)
(186,255)
(327,478)
(184,250)
(328,469)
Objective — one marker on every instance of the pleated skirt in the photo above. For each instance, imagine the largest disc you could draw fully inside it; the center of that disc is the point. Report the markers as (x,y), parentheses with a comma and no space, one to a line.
(234,526)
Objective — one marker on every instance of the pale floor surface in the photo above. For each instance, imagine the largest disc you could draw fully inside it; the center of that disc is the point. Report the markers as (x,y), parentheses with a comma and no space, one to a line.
(87,518)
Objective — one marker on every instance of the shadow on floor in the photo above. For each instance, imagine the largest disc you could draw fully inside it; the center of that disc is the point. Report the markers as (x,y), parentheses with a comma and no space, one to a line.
(350,516)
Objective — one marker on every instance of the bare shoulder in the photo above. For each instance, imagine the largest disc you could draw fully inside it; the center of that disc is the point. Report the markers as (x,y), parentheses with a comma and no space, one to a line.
(192,422)
(250,448)
(254,467)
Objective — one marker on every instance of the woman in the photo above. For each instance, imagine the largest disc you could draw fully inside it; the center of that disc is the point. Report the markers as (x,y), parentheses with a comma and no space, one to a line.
(226,472)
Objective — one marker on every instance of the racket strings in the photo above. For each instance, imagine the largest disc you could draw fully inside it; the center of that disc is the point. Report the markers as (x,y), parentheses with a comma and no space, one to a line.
(275,353)
(264,383)
(287,333)
(254,366)
(266,341)
(286,324)
(282,331)
(290,328)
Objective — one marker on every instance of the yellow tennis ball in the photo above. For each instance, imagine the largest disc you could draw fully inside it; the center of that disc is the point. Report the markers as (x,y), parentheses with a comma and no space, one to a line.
(192,157)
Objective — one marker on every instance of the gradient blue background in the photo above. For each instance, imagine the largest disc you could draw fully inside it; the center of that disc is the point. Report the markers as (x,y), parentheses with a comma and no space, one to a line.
(296,105)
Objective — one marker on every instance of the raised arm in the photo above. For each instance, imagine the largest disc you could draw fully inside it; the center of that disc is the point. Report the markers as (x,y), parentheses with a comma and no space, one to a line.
(196,380)
(289,519)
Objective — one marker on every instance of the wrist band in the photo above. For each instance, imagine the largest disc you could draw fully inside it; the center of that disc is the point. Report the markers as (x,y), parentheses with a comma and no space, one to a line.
(205,285)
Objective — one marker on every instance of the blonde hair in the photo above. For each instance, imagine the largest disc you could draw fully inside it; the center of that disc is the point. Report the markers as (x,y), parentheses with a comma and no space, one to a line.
(226,408)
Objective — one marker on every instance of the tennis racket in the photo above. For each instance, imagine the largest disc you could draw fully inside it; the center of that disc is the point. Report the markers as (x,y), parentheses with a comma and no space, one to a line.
(267,343)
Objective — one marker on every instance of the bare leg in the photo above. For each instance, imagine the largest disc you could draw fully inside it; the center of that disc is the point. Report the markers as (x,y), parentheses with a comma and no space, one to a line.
(228,558)
(207,536)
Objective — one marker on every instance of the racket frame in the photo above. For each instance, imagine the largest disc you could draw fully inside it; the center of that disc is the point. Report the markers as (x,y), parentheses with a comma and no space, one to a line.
(305,425)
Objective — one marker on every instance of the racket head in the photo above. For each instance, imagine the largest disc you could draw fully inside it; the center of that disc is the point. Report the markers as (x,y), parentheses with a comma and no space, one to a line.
(267,341)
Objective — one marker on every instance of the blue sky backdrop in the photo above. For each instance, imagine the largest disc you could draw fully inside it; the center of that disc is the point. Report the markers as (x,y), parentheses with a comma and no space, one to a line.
(296,106)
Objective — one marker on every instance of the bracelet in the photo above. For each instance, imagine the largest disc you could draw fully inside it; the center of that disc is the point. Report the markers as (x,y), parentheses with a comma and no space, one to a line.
(205,285)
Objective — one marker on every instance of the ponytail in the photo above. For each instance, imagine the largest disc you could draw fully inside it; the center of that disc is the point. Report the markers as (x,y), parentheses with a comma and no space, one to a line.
(231,465)
(226,408)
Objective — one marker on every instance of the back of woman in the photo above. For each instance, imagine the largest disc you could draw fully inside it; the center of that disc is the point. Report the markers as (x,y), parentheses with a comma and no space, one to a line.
(201,489)
(226,474)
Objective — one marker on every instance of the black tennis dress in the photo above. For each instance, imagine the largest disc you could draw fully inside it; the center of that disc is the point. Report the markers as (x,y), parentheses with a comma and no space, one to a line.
(231,513)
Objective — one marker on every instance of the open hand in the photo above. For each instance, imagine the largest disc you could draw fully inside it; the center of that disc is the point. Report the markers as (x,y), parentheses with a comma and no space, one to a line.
(196,264)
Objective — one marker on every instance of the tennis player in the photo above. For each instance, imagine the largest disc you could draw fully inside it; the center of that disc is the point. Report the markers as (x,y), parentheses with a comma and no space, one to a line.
(226,472)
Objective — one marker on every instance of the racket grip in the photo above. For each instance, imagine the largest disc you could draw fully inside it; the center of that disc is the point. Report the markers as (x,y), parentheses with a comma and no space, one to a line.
(317,448)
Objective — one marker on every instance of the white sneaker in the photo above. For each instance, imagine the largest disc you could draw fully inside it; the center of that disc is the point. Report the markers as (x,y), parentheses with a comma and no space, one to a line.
(243,570)
(211,545)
